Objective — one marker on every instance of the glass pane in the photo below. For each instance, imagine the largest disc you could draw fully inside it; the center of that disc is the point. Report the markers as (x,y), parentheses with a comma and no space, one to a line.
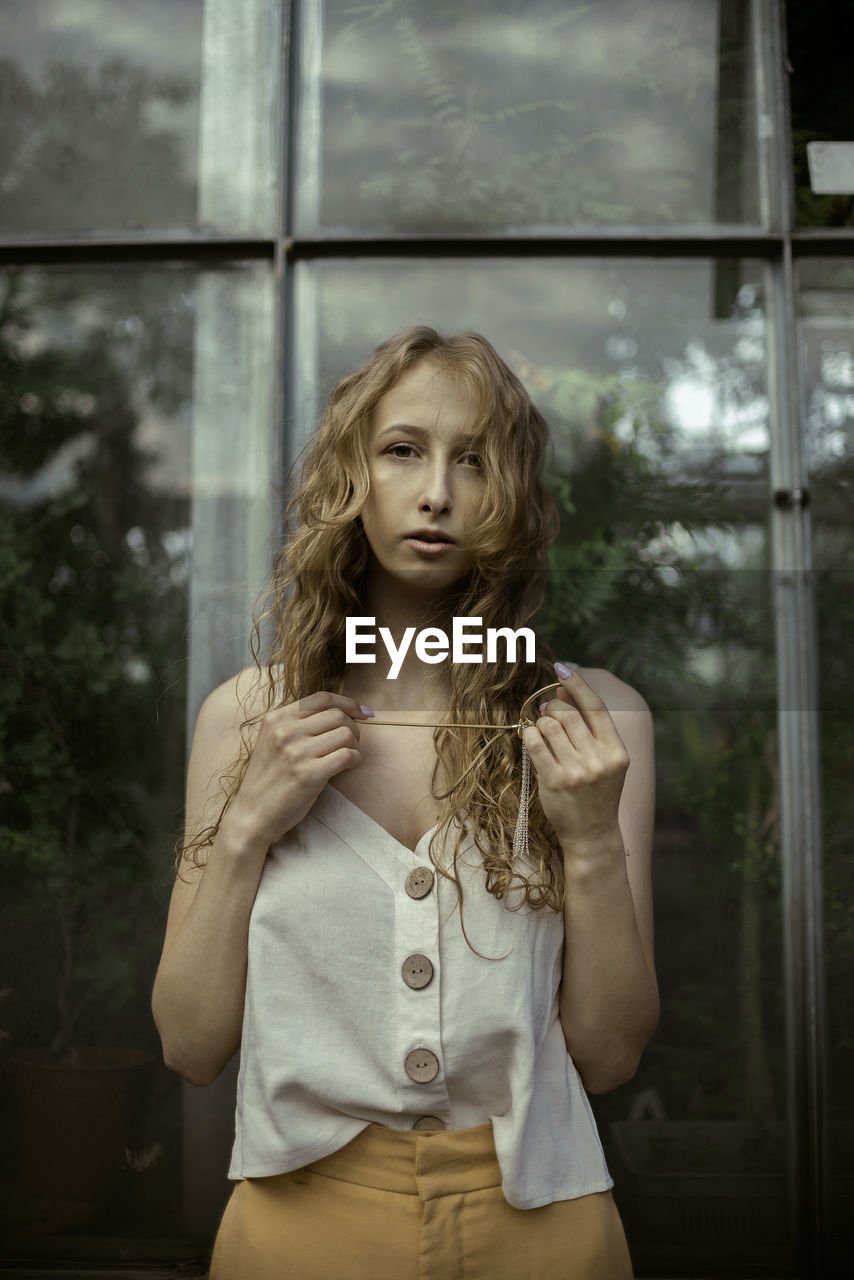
(526,114)
(96,389)
(101,115)
(119,116)
(653,378)
(827,347)
(820,38)
(101,373)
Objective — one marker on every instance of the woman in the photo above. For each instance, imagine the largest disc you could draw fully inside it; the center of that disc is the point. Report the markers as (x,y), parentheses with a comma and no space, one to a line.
(422,979)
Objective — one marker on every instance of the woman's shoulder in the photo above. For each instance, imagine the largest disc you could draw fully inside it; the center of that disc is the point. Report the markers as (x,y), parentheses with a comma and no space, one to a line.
(617,695)
(239,698)
(633,721)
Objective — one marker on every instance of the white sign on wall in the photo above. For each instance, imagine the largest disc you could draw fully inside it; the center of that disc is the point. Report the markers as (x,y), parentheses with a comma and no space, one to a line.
(831,168)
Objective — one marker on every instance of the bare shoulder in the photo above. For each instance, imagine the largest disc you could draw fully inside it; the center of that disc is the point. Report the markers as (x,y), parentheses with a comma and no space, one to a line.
(231,703)
(218,742)
(620,698)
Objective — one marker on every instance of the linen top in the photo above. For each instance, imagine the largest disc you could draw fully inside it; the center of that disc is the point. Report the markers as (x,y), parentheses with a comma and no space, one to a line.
(329,1022)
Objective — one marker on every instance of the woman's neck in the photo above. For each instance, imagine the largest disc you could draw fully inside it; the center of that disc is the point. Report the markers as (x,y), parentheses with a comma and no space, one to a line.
(416,689)
(397,679)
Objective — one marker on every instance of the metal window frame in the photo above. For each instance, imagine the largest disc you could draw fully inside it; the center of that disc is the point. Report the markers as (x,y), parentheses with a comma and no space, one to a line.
(797,682)
(285,249)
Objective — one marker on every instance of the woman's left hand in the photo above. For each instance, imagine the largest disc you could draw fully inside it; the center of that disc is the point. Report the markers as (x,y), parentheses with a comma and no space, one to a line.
(581,763)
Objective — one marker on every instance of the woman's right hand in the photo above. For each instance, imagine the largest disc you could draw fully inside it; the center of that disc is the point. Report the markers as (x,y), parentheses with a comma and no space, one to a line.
(200,986)
(297,749)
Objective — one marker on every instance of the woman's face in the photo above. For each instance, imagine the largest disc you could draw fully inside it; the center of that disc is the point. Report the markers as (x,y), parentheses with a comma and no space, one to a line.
(424,480)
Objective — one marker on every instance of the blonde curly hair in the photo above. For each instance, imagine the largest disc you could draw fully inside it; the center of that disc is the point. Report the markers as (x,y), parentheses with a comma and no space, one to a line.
(318,578)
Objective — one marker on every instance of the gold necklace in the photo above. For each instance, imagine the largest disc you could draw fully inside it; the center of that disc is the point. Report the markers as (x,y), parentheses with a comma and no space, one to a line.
(520,835)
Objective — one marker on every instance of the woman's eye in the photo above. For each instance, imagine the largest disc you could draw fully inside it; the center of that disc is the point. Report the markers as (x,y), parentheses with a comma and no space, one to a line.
(473,459)
(395,447)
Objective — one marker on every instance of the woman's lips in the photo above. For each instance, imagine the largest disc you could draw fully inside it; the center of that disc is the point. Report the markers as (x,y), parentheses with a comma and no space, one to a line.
(429,548)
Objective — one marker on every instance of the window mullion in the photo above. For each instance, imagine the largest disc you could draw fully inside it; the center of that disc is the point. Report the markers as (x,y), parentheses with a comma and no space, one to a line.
(797,677)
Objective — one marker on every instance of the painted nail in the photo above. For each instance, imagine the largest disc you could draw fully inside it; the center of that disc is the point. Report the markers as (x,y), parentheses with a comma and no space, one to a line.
(563,670)
(542,704)
(366,711)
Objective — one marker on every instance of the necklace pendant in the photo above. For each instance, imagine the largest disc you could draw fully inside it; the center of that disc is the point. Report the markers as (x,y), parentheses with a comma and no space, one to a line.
(520,835)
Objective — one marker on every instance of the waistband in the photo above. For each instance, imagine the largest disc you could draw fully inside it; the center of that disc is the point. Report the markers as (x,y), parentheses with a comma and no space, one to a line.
(428,1163)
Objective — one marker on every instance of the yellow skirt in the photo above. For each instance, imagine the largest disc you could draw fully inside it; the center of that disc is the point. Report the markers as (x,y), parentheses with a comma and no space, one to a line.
(408,1205)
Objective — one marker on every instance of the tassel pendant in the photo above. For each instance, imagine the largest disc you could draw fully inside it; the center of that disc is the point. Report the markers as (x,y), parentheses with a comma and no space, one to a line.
(520,835)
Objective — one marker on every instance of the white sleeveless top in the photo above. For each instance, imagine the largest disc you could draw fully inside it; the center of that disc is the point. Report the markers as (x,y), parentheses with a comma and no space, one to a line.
(365,1004)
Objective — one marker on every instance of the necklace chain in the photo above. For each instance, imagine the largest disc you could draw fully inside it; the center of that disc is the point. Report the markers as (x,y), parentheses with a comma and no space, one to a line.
(520,835)
(521,723)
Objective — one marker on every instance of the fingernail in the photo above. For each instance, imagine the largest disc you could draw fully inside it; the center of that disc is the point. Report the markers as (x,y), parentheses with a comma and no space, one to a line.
(542,704)
(366,711)
(563,670)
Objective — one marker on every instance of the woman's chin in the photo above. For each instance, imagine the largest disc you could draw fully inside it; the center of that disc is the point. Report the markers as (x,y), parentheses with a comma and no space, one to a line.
(420,580)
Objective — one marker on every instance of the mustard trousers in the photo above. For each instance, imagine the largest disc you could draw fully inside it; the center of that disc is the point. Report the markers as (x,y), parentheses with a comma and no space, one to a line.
(408,1205)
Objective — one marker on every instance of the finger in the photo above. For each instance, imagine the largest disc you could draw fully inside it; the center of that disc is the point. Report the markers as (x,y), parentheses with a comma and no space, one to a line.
(591,706)
(545,764)
(323,700)
(563,720)
(327,743)
(343,759)
(331,718)
(565,755)
(560,698)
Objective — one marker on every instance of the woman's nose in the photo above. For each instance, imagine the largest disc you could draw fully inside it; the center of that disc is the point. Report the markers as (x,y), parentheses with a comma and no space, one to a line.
(436,494)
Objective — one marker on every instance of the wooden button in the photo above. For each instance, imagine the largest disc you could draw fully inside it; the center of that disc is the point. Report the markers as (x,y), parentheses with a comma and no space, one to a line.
(422,1066)
(429,1122)
(419,882)
(417,971)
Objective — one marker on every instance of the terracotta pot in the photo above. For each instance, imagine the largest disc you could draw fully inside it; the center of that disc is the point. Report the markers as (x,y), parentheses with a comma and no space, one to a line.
(76,1121)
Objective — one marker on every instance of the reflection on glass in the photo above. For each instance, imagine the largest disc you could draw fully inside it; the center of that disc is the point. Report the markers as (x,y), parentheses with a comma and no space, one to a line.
(827,352)
(100,118)
(95,394)
(653,379)
(438,117)
(667,357)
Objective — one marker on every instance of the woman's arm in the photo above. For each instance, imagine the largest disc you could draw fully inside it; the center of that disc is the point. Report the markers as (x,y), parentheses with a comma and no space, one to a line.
(199,988)
(200,985)
(593,750)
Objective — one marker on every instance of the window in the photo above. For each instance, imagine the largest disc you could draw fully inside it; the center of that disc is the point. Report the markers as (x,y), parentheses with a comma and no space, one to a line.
(138,475)
(101,117)
(493,116)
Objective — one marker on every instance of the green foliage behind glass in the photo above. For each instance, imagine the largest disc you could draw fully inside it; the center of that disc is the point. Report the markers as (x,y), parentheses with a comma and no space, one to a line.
(92,615)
